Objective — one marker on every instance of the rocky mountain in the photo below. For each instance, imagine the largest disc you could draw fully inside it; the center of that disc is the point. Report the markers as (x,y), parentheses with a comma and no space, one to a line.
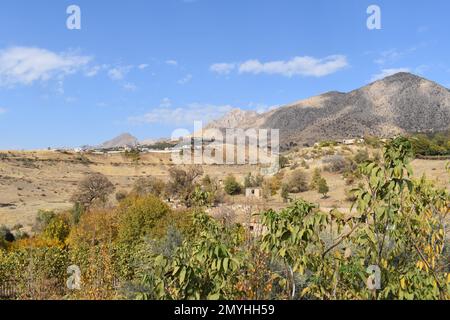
(236,118)
(397,104)
(124,140)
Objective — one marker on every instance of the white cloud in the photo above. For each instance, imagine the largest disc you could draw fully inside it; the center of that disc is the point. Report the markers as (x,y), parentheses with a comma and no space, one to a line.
(261,107)
(304,66)
(165,103)
(60,87)
(2,110)
(185,80)
(172,62)
(143,66)
(388,72)
(394,55)
(94,70)
(387,56)
(165,114)
(118,73)
(130,86)
(222,68)
(26,65)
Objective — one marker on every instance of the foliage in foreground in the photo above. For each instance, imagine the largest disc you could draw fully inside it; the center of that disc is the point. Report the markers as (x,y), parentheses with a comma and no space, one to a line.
(142,249)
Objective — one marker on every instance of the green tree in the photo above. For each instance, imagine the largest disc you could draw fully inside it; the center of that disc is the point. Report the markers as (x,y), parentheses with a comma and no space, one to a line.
(58,229)
(201,198)
(398,227)
(205,266)
(323,188)
(138,217)
(317,176)
(231,186)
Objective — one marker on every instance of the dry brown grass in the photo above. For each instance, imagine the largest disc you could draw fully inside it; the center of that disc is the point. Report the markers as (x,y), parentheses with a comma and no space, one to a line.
(35,180)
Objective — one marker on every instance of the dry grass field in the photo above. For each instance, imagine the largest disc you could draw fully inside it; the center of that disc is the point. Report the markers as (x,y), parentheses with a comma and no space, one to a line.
(34,180)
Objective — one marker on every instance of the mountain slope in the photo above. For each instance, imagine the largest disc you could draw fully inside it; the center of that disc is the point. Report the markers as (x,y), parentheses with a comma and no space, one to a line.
(397,104)
(124,140)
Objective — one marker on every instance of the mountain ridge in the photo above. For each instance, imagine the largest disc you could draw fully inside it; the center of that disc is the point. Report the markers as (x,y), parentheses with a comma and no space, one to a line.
(398,104)
(122,140)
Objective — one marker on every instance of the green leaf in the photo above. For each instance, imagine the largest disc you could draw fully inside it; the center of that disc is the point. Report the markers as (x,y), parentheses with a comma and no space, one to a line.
(225,264)
(214,296)
(182,275)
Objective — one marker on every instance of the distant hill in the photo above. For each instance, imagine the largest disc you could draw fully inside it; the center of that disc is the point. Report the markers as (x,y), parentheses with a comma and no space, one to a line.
(397,104)
(124,140)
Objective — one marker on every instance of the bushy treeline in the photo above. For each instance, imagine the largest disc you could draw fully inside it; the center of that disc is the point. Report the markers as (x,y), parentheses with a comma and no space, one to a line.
(432,144)
(143,249)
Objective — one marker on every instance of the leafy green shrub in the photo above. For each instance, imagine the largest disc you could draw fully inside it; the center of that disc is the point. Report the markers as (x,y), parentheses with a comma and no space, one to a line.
(58,229)
(322,187)
(138,217)
(317,176)
(36,272)
(433,144)
(205,266)
(231,186)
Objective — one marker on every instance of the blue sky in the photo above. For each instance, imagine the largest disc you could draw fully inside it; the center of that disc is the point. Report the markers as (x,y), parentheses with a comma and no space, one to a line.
(148,67)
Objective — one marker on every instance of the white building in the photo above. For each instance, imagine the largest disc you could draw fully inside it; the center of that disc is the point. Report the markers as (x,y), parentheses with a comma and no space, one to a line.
(253,193)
